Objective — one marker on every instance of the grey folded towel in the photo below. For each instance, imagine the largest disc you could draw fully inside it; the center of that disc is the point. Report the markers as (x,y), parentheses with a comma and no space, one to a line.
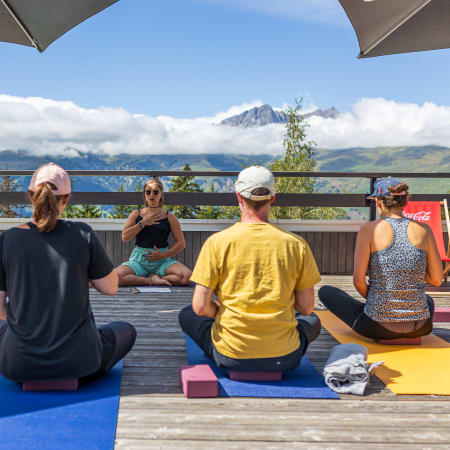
(346,370)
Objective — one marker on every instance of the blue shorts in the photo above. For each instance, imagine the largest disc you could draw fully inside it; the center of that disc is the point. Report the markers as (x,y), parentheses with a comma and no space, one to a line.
(142,267)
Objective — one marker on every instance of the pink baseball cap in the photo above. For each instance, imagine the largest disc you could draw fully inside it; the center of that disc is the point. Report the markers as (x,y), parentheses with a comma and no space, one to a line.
(54,174)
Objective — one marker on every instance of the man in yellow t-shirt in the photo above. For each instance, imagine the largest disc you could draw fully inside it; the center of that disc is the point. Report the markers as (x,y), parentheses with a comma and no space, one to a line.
(260,275)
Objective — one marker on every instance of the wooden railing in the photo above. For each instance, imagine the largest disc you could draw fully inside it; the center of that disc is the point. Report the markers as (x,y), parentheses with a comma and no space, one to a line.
(331,241)
(227,199)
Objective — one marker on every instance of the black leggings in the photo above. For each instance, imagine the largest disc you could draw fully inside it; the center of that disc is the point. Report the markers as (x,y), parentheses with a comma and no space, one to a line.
(351,311)
(117,338)
(198,328)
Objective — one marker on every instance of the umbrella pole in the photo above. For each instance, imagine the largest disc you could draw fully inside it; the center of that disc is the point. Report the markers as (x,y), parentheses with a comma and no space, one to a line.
(21,25)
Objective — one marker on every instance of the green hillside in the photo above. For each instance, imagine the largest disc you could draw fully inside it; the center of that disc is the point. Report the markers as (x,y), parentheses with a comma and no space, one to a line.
(385,159)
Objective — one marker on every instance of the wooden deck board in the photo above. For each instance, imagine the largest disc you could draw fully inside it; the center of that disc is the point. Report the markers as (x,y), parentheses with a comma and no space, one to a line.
(166,444)
(154,413)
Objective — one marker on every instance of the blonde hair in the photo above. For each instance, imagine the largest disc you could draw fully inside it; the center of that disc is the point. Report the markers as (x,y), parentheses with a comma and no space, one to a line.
(154,180)
(45,206)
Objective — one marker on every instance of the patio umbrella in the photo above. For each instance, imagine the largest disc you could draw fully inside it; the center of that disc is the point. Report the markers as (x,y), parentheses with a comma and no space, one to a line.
(387,27)
(37,23)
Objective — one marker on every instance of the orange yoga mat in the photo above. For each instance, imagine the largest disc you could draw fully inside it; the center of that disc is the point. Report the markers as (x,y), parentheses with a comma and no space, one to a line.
(407,369)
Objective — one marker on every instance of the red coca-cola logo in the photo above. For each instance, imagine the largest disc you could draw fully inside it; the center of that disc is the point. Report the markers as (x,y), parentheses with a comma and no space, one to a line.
(420,216)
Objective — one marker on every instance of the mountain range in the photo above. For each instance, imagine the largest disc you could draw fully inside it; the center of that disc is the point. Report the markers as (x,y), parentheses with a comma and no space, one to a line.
(383,159)
(265,114)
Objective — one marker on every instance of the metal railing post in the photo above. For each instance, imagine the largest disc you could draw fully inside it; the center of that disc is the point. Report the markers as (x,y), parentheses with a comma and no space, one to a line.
(372,206)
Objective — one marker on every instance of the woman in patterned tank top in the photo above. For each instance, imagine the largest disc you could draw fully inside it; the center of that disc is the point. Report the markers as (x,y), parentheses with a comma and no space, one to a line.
(399,255)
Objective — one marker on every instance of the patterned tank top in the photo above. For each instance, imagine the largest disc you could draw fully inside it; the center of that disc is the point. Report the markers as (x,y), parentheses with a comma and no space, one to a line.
(397,279)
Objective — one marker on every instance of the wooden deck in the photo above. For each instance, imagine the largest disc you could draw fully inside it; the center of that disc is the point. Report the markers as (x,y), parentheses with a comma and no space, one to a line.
(155,414)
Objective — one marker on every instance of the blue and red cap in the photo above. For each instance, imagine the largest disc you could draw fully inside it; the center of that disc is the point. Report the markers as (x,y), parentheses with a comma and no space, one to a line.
(381,188)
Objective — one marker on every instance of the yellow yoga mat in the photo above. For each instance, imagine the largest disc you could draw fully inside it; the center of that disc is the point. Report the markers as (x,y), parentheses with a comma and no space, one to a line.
(407,369)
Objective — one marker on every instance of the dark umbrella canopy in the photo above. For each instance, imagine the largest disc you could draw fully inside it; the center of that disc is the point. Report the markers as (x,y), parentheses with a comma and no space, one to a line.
(387,27)
(37,23)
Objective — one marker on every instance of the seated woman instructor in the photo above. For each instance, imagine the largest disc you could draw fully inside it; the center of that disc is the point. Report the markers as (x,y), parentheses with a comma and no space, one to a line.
(400,255)
(45,267)
(150,262)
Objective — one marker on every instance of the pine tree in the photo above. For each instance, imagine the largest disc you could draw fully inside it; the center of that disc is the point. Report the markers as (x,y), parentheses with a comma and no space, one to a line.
(72,211)
(139,188)
(81,211)
(211,212)
(185,184)
(121,211)
(298,157)
(9,184)
(90,211)
(139,185)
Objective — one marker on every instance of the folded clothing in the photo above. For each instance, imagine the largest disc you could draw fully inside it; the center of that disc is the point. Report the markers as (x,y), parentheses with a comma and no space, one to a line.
(346,370)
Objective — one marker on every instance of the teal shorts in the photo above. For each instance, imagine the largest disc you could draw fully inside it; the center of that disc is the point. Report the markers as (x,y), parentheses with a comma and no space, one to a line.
(142,267)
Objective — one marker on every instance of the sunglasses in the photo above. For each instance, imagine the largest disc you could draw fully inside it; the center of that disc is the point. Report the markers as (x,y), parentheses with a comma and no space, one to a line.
(149,191)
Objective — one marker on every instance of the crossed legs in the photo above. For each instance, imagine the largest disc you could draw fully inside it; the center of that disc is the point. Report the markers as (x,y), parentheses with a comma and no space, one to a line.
(351,312)
(117,338)
(198,328)
(176,274)
(127,277)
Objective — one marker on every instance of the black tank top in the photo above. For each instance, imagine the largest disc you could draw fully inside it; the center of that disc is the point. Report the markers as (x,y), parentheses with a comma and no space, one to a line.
(152,235)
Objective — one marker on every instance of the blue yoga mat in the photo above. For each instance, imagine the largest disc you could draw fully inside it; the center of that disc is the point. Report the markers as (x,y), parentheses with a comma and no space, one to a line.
(191,284)
(85,419)
(303,382)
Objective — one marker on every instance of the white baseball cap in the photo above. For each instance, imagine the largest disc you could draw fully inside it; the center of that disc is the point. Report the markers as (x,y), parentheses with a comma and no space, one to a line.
(54,174)
(252,178)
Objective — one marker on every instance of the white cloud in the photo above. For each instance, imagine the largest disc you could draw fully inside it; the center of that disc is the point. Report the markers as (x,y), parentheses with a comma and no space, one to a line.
(379,122)
(327,11)
(45,126)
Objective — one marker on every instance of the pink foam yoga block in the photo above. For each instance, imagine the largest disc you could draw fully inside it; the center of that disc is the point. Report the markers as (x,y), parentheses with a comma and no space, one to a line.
(441,314)
(198,381)
(400,341)
(239,375)
(68,384)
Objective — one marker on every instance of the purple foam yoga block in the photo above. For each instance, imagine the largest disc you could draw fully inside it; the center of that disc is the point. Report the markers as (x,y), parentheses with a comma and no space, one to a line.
(400,341)
(68,384)
(239,375)
(198,381)
(441,314)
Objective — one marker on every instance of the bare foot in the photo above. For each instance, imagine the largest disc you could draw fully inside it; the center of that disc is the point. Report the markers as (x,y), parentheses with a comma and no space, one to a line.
(158,281)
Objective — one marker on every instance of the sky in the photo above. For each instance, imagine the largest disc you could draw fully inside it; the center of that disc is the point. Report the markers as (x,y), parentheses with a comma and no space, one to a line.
(157,76)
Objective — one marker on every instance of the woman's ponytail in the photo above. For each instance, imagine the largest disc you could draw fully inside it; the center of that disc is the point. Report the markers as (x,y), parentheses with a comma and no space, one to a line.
(45,207)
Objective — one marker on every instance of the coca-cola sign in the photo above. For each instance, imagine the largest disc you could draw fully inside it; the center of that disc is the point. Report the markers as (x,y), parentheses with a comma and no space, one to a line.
(420,216)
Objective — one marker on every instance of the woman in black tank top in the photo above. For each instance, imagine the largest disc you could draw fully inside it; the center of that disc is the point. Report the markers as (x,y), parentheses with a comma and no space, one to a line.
(151,261)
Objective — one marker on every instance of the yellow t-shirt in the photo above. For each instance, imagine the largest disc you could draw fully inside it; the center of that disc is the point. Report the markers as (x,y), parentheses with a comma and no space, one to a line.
(254,269)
